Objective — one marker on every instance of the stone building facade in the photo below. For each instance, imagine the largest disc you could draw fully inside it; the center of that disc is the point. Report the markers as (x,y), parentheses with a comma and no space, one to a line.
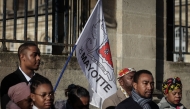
(138,35)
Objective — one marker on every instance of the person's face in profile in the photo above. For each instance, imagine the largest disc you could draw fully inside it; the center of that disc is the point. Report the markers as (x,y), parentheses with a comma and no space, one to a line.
(82,103)
(174,97)
(145,85)
(25,103)
(31,58)
(43,97)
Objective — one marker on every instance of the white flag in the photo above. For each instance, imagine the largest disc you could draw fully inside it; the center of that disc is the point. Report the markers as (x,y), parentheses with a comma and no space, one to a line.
(94,55)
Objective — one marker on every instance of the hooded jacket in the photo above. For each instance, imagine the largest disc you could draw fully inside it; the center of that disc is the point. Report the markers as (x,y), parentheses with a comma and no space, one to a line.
(163,104)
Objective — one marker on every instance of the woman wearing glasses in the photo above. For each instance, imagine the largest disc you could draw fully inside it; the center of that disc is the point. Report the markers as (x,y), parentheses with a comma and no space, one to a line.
(78,98)
(42,94)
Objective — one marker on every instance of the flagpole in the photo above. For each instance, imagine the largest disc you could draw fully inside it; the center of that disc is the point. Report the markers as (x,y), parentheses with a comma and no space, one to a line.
(60,76)
(57,83)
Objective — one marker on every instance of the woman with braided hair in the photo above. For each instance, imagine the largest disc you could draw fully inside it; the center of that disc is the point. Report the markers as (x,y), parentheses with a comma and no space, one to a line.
(172,90)
(78,98)
(42,93)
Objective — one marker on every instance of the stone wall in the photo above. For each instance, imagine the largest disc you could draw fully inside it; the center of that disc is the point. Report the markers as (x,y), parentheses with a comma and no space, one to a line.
(136,34)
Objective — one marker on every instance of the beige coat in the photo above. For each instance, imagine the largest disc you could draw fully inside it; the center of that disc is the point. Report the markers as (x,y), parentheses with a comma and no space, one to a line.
(114,99)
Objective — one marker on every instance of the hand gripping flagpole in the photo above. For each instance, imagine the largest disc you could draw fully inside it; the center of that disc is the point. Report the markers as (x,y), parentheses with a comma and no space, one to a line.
(61,74)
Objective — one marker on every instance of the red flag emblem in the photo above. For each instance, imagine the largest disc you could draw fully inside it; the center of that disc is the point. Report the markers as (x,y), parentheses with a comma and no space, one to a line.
(106,53)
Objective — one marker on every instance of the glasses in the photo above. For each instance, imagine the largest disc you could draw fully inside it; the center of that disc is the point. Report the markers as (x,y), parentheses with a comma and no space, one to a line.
(45,95)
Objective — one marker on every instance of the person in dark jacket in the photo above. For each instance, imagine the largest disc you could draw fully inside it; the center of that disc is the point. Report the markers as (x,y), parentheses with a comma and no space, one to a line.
(29,57)
(78,98)
(141,95)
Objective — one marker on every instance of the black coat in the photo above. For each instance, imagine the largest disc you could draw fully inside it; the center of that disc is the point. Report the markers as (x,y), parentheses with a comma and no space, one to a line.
(8,81)
(129,103)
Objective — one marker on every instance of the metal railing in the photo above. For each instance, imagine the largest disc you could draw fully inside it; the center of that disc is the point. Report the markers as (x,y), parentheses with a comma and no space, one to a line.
(180,30)
(61,22)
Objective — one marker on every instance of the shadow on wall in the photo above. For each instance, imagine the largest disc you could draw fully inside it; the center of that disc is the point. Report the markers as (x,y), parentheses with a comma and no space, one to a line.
(159,43)
(109,10)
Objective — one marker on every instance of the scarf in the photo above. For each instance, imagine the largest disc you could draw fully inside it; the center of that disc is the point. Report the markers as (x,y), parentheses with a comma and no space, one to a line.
(177,106)
(124,92)
(141,101)
(12,105)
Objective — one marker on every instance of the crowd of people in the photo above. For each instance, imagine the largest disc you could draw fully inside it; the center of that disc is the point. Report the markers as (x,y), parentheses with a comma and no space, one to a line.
(140,91)
(30,90)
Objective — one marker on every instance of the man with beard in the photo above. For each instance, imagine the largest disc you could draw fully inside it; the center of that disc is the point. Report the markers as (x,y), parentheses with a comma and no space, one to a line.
(141,94)
(29,57)
(125,79)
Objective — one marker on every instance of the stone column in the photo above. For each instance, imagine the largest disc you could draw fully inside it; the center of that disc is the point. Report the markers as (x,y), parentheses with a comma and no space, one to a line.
(136,34)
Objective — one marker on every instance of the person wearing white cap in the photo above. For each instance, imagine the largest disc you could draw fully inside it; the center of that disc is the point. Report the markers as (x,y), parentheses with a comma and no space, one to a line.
(125,79)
